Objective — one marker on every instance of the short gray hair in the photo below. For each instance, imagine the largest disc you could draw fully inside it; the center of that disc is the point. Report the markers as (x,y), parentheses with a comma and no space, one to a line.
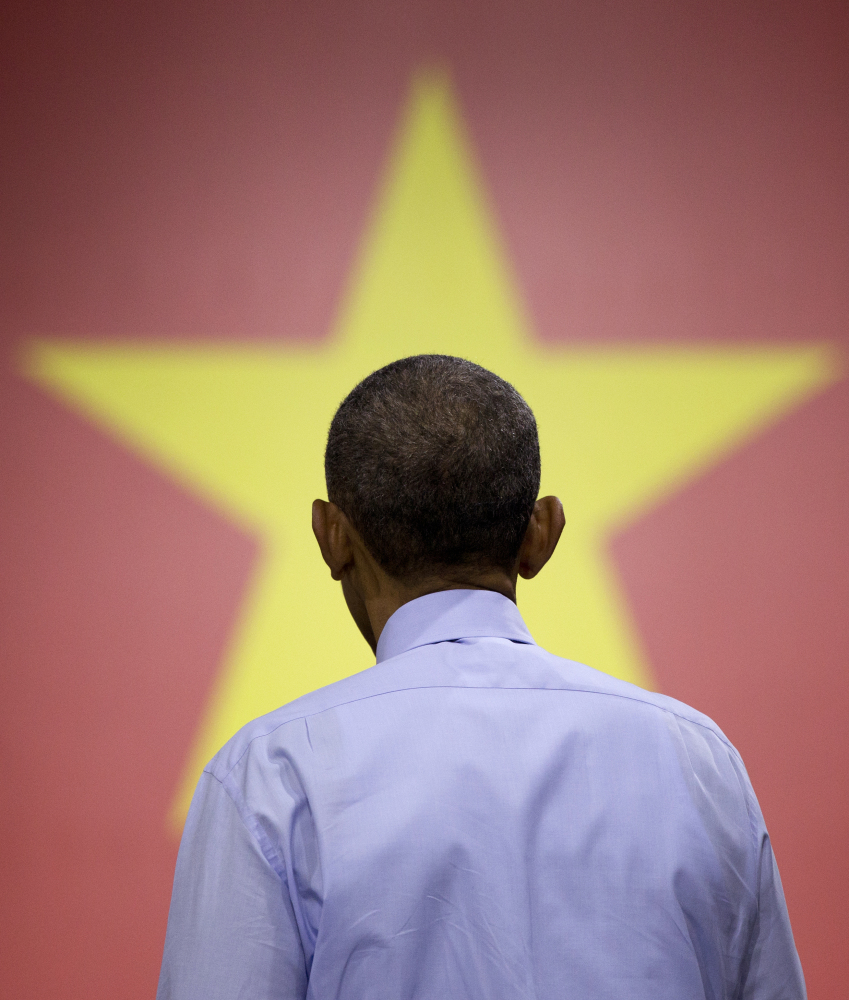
(436,463)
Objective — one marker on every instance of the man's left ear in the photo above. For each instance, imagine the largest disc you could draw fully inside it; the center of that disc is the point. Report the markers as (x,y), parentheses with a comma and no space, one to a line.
(542,535)
(330,527)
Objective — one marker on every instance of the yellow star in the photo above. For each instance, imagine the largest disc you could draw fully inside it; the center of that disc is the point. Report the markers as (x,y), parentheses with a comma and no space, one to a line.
(244,427)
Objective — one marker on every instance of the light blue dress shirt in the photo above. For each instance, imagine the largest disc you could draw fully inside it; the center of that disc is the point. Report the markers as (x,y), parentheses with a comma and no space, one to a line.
(474,817)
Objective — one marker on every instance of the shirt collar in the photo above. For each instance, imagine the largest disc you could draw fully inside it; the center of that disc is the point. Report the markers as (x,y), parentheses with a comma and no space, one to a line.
(451,614)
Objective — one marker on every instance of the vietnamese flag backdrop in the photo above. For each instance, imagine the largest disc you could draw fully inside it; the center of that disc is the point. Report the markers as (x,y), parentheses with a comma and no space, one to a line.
(659,173)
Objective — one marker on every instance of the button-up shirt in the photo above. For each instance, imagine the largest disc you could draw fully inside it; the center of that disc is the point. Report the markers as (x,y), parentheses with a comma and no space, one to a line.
(474,817)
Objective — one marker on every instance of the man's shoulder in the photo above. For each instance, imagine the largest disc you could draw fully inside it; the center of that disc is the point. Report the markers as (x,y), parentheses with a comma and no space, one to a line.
(643,706)
(595,681)
(533,668)
(330,696)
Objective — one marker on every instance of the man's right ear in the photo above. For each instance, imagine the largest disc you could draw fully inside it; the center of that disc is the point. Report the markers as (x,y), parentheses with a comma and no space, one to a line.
(331,530)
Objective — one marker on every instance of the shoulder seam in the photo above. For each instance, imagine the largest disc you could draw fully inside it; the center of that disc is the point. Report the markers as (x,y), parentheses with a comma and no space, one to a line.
(252,827)
(715,730)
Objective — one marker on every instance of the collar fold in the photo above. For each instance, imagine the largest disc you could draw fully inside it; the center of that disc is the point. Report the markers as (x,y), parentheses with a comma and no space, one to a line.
(448,615)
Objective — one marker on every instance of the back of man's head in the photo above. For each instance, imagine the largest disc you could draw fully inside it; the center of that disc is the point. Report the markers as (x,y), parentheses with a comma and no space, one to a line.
(435,461)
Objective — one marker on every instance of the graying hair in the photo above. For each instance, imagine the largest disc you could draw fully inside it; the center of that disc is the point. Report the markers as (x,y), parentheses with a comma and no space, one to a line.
(436,463)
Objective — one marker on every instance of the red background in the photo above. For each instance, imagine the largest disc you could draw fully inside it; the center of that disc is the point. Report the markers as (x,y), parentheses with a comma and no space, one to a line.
(663,172)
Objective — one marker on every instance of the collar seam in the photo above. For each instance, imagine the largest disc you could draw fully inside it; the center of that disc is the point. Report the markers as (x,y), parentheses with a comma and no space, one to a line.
(435,642)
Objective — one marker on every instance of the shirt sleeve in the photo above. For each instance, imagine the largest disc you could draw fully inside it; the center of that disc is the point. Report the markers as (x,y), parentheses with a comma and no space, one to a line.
(232,931)
(774,971)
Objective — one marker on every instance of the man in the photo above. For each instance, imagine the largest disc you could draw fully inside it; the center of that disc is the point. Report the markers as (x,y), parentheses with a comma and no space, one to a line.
(472,817)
